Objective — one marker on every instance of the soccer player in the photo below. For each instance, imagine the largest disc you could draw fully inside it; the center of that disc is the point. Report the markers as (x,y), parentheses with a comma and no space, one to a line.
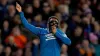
(51,38)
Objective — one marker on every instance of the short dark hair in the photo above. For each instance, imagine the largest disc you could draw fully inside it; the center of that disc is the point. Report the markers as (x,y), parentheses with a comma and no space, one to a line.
(53,17)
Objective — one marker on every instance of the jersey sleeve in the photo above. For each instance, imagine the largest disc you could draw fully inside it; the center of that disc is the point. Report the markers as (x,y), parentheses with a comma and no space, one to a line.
(32,28)
(62,37)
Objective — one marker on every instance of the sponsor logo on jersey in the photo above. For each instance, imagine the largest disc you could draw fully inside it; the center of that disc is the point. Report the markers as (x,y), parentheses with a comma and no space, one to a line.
(50,37)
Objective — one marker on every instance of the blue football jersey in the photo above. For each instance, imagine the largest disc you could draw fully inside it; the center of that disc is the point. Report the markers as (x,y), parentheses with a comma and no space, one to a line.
(50,44)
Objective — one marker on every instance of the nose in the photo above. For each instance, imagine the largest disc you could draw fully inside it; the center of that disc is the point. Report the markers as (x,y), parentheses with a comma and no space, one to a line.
(53,26)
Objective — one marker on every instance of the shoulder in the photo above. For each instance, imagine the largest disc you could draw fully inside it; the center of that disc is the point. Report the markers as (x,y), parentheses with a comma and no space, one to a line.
(43,30)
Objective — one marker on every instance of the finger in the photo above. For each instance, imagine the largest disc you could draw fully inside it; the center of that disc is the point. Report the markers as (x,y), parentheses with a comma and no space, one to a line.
(18,6)
(16,3)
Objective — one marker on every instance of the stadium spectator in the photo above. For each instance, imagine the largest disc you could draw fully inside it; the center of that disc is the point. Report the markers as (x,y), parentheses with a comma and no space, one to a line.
(16,38)
(16,20)
(64,50)
(87,27)
(47,12)
(28,11)
(94,43)
(11,11)
(64,10)
(86,49)
(58,15)
(63,26)
(37,21)
(5,30)
(3,8)
(74,21)
(97,30)
(1,49)
(7,51)
(19,52)
(76,38)
(36,7)
(28,51)
(36,43)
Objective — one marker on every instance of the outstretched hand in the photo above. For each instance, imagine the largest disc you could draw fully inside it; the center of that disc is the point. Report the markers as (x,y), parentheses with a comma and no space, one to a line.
(18,7)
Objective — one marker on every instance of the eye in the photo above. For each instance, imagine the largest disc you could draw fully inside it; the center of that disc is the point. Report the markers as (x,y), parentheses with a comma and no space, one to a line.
(51,24)
(54,22)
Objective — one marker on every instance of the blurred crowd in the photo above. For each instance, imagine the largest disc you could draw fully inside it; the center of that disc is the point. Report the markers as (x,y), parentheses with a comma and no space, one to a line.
(79,19)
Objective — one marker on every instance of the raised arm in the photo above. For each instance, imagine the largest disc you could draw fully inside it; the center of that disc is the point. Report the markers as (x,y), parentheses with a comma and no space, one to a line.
(30,27)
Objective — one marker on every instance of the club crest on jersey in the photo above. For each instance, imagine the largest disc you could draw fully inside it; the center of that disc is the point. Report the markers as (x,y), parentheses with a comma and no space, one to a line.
(49,37)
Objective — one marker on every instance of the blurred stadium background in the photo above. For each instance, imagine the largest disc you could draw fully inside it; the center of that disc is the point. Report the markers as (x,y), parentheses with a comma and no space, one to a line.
(79,19)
